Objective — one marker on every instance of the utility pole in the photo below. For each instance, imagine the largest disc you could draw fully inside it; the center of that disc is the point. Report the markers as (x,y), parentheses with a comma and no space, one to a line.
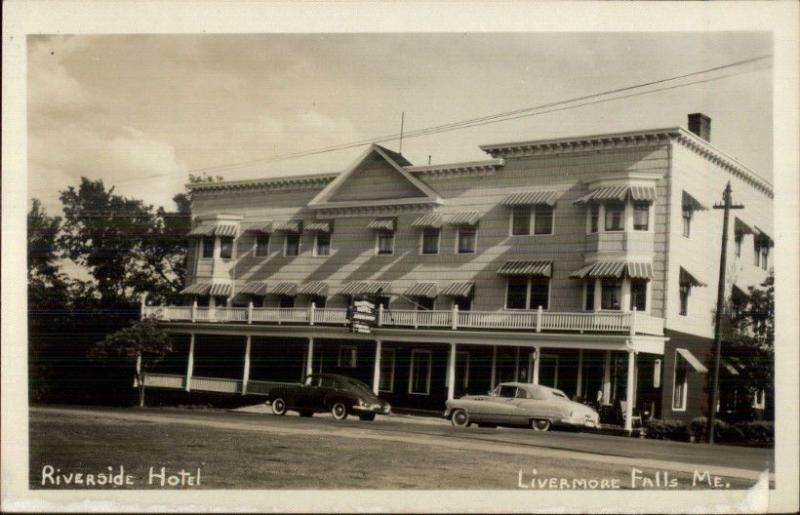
(726,206)
(402,126)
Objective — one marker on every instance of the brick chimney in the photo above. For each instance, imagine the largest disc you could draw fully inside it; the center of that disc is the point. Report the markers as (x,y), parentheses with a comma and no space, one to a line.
(700,125)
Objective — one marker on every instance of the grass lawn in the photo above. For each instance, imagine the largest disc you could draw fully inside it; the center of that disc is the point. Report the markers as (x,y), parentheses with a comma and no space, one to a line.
(254,459)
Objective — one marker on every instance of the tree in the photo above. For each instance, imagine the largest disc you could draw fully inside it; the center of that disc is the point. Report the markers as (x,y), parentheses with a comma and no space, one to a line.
(749,333)
(46,284)
(143,342)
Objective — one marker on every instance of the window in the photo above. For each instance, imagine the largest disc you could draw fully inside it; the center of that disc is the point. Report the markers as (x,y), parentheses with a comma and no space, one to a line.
(638,295)
(589,296)
(615,216)
(641,216)
(226,247)
(465,240)
(759,399)
(684,293)
(756,251)
(292,244)
(319,302)
(347,357)
(322,244)
(430,241)
(208,247)
(463,303)
(385,243)
(594,217)
(543,220)
(680,383)
(287,301)
(505,391)
(540,292)
(262,244)
(738,244)
(527,293)
(521,221)
(611,297)
(687,222)
(420,380)
(425,304)
(382,301)
(386,382)
(764,256)
(517,292)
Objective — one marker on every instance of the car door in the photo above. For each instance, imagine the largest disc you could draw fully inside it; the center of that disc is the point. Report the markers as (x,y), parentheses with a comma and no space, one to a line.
(323,392)
(537,403)
(498,408)
(302,398)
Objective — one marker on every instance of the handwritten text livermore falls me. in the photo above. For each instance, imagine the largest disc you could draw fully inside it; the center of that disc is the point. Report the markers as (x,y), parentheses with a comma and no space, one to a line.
(115,478)
(638,479)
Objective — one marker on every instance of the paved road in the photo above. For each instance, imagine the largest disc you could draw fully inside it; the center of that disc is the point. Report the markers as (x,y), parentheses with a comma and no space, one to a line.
(731,461)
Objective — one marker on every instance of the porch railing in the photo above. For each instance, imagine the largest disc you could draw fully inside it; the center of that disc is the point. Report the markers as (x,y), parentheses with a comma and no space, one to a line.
(629,322)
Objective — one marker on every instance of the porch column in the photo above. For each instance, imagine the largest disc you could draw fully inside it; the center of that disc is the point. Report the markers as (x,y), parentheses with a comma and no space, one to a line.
(246,374)
(494,365)
(376,372)
(625,299)
(451,373)
(190,364)
(598,294)
(212,305)
(516,366)
(579,381)
(629,389)
(310,357)
(536,361)
(607,379)
(138,370)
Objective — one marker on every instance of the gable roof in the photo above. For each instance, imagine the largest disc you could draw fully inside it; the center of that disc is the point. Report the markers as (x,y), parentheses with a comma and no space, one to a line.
(396,161)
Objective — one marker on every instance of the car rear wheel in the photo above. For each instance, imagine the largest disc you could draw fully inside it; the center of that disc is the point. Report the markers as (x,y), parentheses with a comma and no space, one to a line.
(540,424)
(367,416)
(339,411)
(279,406)
(459,418)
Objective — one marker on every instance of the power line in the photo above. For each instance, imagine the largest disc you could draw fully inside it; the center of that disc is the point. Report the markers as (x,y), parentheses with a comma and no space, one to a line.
(484,120)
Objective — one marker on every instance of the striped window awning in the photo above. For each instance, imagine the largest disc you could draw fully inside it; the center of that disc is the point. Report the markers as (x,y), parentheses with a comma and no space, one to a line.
(692,360)
(214,229)
(221,289)
(619,193)
(688,278)
(740,228)
(762,237)
(690,203)
(196,289)
(313,289)
(428,221)
(286,288)
(530,268)
(615,269)
(532,198)
(739,291)
(422,289)
(729,366)
(259,227)
(356,288)
(458,289)
(254,288)
(295,226)
(382,224)
(470,218)
(320,226)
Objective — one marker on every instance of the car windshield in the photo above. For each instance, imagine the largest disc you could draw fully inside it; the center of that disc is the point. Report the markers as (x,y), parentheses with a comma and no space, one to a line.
(356,385)
(504,391)
(559,393)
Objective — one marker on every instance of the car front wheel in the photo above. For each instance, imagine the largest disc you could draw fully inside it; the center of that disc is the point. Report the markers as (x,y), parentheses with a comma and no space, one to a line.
(279,406)
(459,418)
(540,424)
(339,411)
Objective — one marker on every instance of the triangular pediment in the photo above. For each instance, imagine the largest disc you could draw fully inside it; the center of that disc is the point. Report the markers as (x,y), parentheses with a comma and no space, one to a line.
(377,177)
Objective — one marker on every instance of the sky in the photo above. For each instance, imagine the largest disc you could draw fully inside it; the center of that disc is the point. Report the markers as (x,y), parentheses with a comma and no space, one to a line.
(141,112)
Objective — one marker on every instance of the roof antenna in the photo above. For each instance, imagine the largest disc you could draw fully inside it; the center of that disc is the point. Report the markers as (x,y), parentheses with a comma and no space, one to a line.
(402,122)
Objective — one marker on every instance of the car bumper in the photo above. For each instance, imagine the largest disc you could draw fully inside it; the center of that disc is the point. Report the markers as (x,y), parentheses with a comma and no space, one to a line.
(581,422)
(377,409)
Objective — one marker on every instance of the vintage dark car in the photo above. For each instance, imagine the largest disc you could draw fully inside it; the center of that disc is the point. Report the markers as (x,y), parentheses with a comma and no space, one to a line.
(522,404)
(341,395)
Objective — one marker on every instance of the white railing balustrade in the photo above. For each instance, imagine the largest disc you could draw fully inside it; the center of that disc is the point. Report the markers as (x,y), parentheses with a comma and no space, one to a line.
(528,320)
(215,384)
(163,380)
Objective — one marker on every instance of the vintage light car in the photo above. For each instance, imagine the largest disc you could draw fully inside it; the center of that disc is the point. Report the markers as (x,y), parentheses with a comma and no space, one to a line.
(521,404)
(341,395)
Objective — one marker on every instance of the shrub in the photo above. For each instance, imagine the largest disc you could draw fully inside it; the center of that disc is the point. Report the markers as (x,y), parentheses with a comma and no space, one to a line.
(666,430)
(758,431)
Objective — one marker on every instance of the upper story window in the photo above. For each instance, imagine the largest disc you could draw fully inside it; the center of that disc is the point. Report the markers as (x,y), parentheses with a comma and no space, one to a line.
(348,356)
(588,302)
(737,244)
(638,295)
(430,241)
(322,244)
(641,216)
(540,217)
(463,303)
(226,247)
(384,243)
(684,291)
(425,303)
(615,216)
(680,383)
(466,239)
(521,221)
(291,245)
(687,221)
(611,294)
(208,246)
(761,245)
(527,292)
(543,220)
(594,218)
(262,244)
(287,301)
